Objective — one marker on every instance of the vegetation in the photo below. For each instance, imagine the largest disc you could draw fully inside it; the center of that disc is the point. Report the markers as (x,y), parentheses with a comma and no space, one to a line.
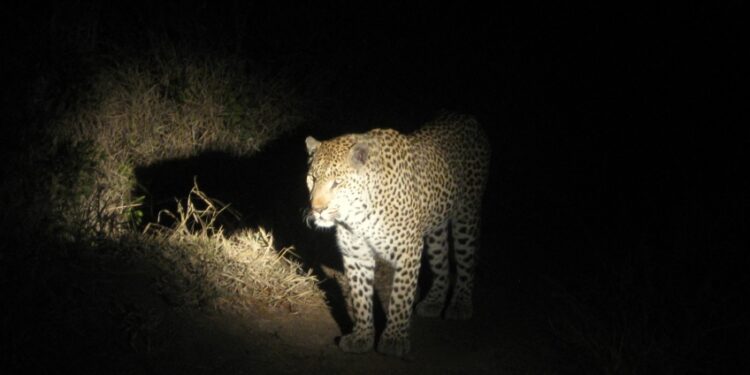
(234,272)
(163,107)
(136,113)
(74,222)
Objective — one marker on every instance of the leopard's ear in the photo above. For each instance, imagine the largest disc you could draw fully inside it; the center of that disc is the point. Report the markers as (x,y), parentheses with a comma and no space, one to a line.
(360,153)
(312,145)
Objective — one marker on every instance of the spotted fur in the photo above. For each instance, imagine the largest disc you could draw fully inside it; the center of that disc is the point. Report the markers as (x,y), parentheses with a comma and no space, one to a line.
(388,195)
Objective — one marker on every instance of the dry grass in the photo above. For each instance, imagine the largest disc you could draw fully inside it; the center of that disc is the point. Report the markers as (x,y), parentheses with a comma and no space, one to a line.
(241,270)
(141,111)
(79,269)
(79,175)
(83,276)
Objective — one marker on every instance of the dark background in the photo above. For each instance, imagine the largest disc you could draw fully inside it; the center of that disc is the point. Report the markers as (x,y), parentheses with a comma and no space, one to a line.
(617,132)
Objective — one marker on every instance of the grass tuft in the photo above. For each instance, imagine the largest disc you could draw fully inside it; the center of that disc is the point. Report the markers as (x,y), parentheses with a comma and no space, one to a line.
(238,271)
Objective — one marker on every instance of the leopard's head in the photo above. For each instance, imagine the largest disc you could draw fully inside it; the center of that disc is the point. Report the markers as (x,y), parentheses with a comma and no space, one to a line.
(337,180)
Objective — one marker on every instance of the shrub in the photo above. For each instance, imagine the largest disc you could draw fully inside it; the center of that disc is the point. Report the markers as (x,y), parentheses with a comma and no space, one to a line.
(140,111)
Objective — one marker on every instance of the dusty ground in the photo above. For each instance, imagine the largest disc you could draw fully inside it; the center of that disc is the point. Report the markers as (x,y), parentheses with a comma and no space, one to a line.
(113,319)
(501,338)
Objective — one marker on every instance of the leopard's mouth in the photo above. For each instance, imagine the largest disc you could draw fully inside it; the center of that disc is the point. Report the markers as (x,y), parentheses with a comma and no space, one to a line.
(321,219)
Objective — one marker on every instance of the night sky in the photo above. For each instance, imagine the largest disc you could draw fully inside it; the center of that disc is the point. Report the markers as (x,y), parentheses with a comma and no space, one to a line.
(617,132)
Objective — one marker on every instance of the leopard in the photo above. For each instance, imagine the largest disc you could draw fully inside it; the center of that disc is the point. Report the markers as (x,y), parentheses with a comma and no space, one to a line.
(390,197)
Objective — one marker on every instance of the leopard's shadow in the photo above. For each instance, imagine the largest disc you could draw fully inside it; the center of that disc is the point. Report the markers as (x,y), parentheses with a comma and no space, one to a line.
(267,189)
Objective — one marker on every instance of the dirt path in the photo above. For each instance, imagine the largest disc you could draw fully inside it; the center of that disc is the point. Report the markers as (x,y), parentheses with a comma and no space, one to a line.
(258,343)
(505,336)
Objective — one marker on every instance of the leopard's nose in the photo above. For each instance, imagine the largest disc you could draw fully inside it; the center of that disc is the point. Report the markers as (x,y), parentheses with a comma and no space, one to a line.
(317,207)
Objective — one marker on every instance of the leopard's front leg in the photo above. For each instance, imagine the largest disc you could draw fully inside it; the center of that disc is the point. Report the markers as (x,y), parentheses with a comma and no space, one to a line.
(395,338)
(359,266)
